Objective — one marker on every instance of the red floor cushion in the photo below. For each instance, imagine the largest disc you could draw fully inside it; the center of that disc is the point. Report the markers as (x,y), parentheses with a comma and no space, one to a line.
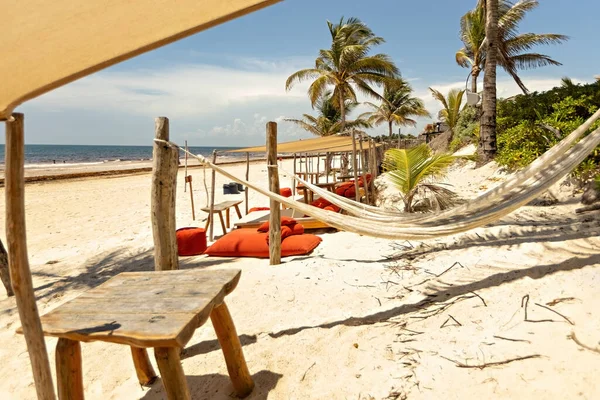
(285,221)
(241,243)
(250,243)
(191,241)
(296,245)
(285,192)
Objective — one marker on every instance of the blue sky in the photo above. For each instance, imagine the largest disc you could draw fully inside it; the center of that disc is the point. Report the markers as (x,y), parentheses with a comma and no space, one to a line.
(221,86)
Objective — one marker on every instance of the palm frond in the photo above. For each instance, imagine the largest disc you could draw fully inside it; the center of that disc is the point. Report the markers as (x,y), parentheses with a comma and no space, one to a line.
(300,76)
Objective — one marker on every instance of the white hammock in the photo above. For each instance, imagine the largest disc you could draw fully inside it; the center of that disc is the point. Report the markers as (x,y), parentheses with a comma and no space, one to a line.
(491,206)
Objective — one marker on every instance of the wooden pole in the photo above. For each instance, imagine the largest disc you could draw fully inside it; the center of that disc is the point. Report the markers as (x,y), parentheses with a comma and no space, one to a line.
(275,212)
(185,173)
(4,272)
(18,261)
(362,170)
(294,180)
(211,215)
(354,166)
(247,179)
(189,179)
(69,376)
(171,371)
(164,180)
(318,166)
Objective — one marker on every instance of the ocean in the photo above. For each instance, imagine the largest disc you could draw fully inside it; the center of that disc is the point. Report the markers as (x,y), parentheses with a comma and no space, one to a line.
(41,155)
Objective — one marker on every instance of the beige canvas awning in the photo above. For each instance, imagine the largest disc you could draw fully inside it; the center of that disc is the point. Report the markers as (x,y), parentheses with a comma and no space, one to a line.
(46,44)
(321,144)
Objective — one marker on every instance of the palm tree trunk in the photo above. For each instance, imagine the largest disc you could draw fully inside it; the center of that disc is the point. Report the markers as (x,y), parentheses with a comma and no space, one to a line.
(342,112)
(390,126)
(4,272)
(487,140)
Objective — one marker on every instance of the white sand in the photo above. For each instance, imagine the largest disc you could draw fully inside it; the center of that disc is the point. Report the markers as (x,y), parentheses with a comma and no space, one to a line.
(360,318)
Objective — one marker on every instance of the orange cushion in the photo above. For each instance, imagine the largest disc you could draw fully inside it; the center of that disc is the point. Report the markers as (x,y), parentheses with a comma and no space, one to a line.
(241,243)
(249,243)
(258,209)
(285,232)
(297,229)
(296,245)
(343,187)
(285,192)
(332,207)
(191,241)
(285,221)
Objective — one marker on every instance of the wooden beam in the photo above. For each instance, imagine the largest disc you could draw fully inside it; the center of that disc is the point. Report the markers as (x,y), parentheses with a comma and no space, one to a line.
(211,215)
(164,187)
(18,259)
(232,350)
(143,368)
(275,212)
(362,169)
(293,178)
(69,377)
(247,179)
(4,272)
(354,166)
(171,371)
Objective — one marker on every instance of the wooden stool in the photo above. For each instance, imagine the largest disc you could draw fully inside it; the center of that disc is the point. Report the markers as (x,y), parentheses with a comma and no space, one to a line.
(219,209)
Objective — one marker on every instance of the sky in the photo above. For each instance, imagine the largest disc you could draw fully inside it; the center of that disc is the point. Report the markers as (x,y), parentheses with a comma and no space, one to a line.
(221,86)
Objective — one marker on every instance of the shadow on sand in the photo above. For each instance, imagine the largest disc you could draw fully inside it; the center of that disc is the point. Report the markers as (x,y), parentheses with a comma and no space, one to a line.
(217,386)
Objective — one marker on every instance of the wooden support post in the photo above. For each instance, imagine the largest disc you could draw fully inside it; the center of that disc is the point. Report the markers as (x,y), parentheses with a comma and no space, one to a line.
(293,178)
(247,179)
(362,169)
(143,369)
(318,166)
(188,179)
(275,212)
(4,272)
(69,377)
(164,180)
(232,350)
(18,261)
(171,372)
(211,215)
(185,172)
(354,166)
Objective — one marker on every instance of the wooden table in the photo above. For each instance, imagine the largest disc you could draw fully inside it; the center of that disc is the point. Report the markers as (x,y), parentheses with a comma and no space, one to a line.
(219,209)
(148,309)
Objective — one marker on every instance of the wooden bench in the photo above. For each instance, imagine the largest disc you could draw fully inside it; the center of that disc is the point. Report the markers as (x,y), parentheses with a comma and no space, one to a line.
(148,309)
(219,209)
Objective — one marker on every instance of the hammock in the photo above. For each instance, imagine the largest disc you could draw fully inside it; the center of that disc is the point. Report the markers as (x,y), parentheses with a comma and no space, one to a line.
(491,206)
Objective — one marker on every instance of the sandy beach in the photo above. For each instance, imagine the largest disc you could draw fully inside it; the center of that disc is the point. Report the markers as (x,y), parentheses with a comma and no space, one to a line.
(359,318)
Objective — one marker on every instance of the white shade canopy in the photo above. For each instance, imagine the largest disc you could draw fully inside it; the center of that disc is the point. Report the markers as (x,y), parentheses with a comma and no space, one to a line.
(46,44)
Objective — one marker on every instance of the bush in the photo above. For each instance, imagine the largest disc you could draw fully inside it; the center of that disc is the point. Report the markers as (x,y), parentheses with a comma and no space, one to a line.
(467,128)
(528,125)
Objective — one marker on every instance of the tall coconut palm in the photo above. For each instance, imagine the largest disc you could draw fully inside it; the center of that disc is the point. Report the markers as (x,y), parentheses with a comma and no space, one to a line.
(329,120)
(487,135)
(397,106)
(347,66)
(414,172)
(451,106)
(513,47)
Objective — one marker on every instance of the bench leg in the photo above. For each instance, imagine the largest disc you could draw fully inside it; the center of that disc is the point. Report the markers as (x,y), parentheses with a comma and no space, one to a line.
(143,368)
(232,350)
(68,370)
(171,372)
(222,223)
(208,221)
(237,210)
(227,218)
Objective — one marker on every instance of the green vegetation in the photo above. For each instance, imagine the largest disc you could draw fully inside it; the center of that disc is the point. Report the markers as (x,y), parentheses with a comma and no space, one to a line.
(528,125)
(414,171)
(467,128)
(451,104)
(329,120)
(513,47)
(397,106)
(347,66)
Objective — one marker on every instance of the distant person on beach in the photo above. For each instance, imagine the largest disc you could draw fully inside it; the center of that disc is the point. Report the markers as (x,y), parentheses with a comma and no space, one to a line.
(53,161)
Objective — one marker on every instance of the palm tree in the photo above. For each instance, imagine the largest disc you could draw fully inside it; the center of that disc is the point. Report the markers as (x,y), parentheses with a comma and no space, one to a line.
(329,120)
(513,47)
(487,131)
(397,106)
(451,106)
(414,171)
(346,66)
